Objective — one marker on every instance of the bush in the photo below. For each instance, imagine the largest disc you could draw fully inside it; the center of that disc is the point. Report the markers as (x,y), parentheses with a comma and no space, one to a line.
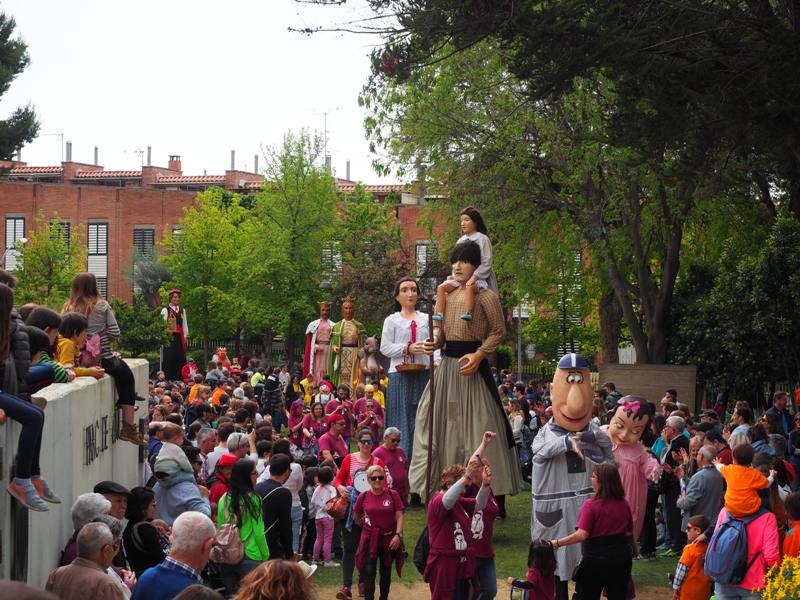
(505,357)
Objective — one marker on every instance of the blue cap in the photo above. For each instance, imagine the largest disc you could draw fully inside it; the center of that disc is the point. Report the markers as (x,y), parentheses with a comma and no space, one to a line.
(573,361)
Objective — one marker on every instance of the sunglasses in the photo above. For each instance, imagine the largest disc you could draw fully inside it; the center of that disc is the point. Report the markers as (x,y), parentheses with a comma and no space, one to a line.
(365,442)
(376,478)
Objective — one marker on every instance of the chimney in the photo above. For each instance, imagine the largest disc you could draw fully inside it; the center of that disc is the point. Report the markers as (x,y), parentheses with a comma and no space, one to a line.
(328,163)
(347,171)
(96,162)
(149,155)
(69,151)
(255,163)
(174,162)
(233,160)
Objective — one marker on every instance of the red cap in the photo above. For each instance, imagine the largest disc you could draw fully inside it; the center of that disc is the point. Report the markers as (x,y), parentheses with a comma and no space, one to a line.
(227,460)
(335,417)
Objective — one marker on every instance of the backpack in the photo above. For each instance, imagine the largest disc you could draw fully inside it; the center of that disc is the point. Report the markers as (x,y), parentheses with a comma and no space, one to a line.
(90,351)
(228,548)
(421,550)
(726,556)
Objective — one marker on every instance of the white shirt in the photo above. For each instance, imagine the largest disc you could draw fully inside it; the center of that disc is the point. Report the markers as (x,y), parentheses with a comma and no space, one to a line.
(395,337)
(484,271)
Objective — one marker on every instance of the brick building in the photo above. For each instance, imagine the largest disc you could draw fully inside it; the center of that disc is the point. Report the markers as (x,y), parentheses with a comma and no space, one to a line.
(123,210)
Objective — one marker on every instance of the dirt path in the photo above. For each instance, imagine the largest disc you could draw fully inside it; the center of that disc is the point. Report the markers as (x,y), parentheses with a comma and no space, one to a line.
(419,591)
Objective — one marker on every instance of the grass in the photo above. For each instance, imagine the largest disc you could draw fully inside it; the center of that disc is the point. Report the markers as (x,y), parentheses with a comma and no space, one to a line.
(511,539)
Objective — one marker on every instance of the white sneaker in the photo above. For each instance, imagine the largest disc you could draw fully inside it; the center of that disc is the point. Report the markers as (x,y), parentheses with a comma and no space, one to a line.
(330,563)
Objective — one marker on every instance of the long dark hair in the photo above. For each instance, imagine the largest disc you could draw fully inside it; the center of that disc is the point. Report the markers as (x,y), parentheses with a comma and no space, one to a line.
(84,295)
(6,305)
(610,483)
(138,501)
(542,557)
(473,214)
(397,285)
(242,498)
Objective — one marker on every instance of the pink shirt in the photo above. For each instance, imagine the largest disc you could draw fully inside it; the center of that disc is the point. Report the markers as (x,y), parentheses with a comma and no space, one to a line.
(336,446)
(762,538)
(347,413)
(318,428)
(396,466)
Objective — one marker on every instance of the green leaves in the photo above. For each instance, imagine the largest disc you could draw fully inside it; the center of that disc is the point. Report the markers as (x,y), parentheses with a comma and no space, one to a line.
(49,261)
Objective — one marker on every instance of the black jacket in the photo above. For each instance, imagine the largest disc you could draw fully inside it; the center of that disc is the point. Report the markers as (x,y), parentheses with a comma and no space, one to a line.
(20,354)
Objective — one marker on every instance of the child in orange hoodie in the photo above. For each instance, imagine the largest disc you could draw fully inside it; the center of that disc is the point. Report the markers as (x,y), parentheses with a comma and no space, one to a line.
(791,545)
(691,582)
(743,482)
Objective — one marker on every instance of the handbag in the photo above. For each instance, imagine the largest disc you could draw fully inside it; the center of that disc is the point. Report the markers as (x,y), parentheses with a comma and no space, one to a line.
(338,506)
(228,548)
(90,351)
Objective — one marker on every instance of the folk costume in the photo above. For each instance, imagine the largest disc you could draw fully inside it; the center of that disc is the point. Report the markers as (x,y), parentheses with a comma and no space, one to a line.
(465,406)
(318,338)
(343,368)
(174,355)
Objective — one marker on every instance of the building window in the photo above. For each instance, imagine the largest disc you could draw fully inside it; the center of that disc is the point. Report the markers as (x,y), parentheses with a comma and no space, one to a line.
(62,230)
(98,255)
(15,232)
(427,265)
(331,259)
(144,240)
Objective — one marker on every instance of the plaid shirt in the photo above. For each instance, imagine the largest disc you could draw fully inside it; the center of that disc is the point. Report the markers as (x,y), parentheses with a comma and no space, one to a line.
(174,565)
(680,575)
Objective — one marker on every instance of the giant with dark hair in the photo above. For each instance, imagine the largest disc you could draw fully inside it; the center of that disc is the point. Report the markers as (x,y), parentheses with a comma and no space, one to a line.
(476,217)
(397,285)
(468,252)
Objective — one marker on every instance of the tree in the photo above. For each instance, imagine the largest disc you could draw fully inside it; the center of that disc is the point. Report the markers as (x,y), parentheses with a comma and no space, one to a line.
(143,328)
(22,126)
(202,255)
(148,273)
(368,241)
(282,248)
(49,261)
(475,127)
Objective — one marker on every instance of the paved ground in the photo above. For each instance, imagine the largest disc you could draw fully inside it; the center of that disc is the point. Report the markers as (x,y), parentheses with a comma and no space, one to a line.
(420,591)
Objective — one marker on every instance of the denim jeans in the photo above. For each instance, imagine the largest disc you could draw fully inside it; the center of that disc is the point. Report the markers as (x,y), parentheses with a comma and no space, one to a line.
(232,575)
(487,577)
(297,525)
(31,417)
(734,592)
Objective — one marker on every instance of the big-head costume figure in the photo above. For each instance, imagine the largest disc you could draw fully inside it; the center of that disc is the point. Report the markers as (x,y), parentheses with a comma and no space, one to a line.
(318,337)
(347,336)
(564,454)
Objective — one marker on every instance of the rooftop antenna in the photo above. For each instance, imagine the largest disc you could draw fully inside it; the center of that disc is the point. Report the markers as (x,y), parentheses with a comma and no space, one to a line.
(138,151)
(325,112)
(60,135)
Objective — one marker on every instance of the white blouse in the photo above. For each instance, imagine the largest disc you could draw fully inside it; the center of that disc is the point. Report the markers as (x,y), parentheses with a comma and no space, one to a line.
(395,337)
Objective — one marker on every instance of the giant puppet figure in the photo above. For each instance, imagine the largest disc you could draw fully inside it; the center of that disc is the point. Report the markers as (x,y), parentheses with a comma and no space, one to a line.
(564,454)
(636,465)
(347,337)
(174,355)
(466,402)
(318,337)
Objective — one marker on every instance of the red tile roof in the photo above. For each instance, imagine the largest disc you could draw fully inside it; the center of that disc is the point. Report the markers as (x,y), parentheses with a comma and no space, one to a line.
(36,171)
(253,185)
(343,186)
(173,179)
(108,174)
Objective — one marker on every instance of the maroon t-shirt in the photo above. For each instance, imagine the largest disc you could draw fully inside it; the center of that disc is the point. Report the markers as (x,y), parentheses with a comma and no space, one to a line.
(362,402)
(317,427)
(449,530)
(605,517)
(336,446)
(482,525)
(362,413)
(347,413)
(396,467)
(379,511)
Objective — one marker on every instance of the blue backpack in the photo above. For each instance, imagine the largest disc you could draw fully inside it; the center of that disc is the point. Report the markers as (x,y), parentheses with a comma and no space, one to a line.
(726,556)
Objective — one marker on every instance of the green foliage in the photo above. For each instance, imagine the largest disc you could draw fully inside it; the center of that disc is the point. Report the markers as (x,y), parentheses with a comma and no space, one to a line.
(148,273)
(143,328)
(368,238)
(48,262)
(282,246)
(22,126)
(203,256)
(505,357)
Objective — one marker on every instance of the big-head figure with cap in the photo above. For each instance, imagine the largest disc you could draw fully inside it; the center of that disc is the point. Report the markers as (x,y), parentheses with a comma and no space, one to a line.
(564,454)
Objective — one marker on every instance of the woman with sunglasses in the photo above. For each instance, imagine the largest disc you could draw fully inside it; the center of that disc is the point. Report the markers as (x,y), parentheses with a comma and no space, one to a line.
(379,511)
(395,462)
(353,466)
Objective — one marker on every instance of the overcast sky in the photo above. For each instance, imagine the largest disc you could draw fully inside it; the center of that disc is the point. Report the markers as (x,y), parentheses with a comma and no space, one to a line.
(197,78)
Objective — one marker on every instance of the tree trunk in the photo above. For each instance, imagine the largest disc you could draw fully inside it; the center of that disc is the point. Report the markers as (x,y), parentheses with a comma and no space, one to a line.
(610,328)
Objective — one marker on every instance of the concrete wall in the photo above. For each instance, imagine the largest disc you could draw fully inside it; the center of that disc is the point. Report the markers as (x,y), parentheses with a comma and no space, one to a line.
(79,449)
(651,381)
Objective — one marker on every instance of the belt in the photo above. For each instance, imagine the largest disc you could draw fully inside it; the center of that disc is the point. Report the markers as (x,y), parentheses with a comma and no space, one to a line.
(320,343)
(349,346)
